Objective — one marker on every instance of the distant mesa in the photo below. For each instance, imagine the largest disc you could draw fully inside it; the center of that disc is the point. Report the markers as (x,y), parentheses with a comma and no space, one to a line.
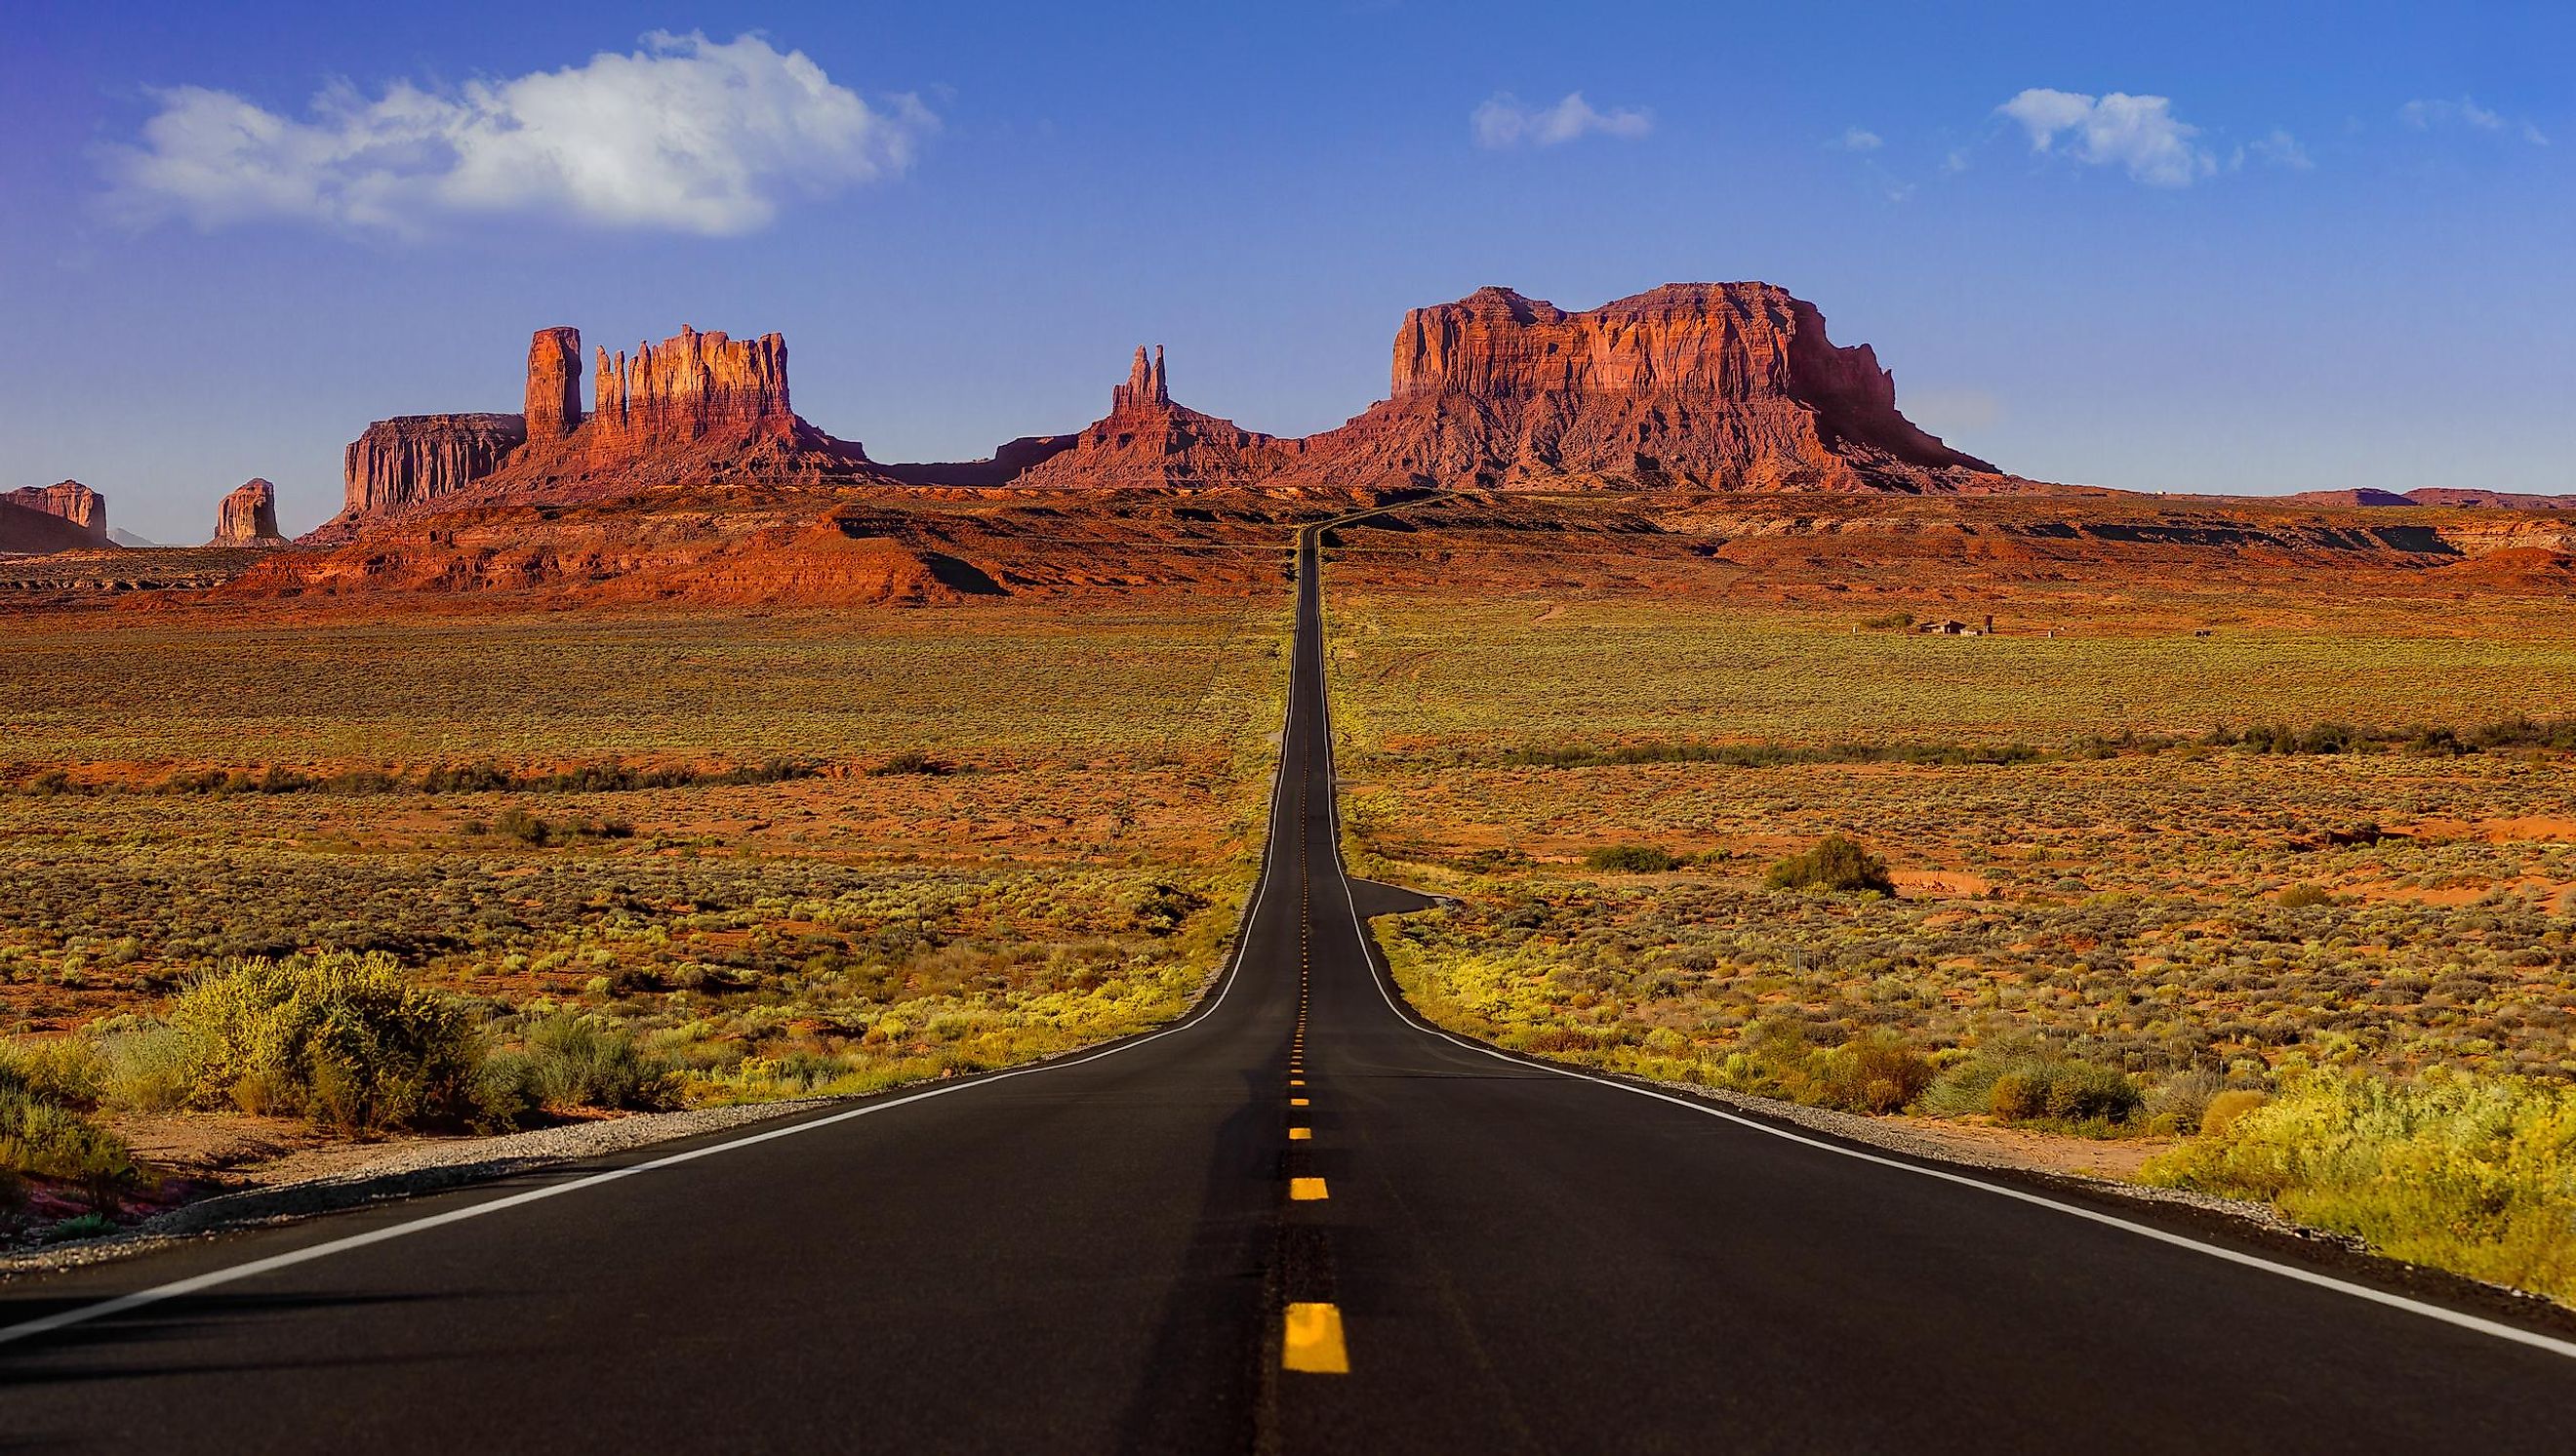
(65,516)
(696,408)
(248,516)
(1719,386)
(2436,496)
(1146,440)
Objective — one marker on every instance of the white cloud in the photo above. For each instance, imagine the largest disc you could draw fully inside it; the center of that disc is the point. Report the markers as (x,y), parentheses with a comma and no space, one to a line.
(1504,122)
(2426,115)
(682,135)
(1859,139)
(2280,149)
(2138,133)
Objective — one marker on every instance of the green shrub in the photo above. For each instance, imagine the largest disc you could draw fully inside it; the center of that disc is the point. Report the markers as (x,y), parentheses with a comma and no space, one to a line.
(2463,1172)
(151,1068)
(517,823)
(340,1038)
(577,1062)
(1875,1072)
(1836,863)
(2038,1088)
(2302,897)
(49,1140)
(1632,859)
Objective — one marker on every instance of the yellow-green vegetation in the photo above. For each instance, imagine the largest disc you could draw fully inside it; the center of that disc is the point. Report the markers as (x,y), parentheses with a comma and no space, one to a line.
(2131,883)
(2476,1174)
(453,873)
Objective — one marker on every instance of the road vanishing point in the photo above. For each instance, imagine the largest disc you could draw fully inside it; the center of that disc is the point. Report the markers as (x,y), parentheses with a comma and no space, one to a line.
(1298,1220)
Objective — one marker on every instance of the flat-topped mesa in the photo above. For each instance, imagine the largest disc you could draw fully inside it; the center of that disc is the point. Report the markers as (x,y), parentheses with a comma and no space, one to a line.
(66,500)
(1721,385)
(248,516)
(554,383)
(1148,441)
(694,385)
(406,462)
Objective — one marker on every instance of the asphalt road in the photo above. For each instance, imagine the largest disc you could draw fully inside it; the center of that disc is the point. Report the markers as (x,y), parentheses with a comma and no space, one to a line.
(1122,1253)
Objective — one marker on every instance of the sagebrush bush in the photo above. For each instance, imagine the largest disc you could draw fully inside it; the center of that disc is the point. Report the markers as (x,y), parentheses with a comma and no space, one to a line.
(577,1062)
(1632,859)
(48,1140)
(344,1039)
(1836,863)
(2469,1173)
(2038,1088)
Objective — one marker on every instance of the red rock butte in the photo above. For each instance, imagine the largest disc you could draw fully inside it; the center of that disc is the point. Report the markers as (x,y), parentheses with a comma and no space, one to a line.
(695,408)
(248,516)
(1726,386)
(1148,441)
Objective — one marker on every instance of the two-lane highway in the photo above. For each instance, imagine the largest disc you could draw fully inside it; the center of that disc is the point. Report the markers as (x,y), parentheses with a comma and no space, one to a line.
(1296,1221)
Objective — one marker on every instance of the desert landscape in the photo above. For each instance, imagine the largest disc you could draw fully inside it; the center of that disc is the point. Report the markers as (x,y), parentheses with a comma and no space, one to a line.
(1639,851)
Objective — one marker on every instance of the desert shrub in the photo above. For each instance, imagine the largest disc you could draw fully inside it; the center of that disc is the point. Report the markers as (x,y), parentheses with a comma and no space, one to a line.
(576,1062)
(1897,621)
(2304,896)
(48,1140)
(343,1039)
(2038,1088)
(150,1068)
(1493,861)
(1875,1072)
(517,823)
(1163,908)
(1632,859)
(2222,1110)
(1836,863)
(910,762)
(60,1069)
(2464,1172)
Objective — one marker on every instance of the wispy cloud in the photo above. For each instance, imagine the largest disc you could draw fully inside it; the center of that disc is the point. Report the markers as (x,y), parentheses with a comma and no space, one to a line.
(2427,115)
(1504,122)
(1858,139)
(2139,134)
(682,135)
(2279,149)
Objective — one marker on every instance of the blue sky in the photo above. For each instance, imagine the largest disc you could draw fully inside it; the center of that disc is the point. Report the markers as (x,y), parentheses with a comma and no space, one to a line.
(2187,247)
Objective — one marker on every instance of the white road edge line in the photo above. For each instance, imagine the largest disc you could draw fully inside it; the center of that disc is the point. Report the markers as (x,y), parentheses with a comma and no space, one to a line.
(83,1314)
(2478,1323)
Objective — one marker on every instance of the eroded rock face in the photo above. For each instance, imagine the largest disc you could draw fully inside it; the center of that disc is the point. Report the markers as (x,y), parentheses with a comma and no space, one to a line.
(248,516)
(408,461)
(554,383)
(693,385)
(1719,385)
(1147,440)
(66,500)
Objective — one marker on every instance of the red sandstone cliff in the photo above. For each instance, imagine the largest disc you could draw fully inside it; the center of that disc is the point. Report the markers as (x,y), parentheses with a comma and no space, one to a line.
(694,409)
(67,500)
(1720,385)
(248,516)
(407,462)
(1147,440)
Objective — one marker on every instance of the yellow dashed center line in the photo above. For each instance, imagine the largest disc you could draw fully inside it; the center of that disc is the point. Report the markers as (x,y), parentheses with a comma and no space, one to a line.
(1297,1101)
(1307,1190)
(1314,1340)
(1301,1134)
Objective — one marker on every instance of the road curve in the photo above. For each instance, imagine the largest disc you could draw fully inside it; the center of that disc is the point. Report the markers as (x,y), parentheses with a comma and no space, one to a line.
(1134,1251)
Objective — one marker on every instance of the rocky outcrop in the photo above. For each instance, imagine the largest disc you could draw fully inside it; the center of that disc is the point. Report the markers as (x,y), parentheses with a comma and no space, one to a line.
(693,386)
(66,500)
(407,462)
(1729,386)
(554,383)
(248,516)
(1146,440)
(693,409)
